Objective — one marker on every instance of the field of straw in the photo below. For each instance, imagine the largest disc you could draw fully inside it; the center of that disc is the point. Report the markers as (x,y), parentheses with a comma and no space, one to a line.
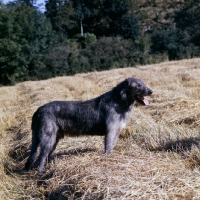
(156,157)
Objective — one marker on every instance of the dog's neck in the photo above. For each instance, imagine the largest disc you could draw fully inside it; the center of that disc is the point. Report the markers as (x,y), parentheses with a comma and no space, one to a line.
(124,104)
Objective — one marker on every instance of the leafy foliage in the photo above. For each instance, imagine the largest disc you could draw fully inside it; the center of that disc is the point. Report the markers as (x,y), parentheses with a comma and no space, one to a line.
(80,36)
(25,35)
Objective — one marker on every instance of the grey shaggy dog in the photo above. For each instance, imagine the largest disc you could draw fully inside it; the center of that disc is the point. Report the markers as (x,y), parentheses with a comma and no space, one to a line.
(105,115)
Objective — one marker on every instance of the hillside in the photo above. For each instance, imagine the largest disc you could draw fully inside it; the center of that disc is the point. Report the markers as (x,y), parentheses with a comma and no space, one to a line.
(158,12)
(156,157)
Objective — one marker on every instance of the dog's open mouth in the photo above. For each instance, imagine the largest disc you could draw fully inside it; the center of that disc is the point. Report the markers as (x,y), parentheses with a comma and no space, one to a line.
(142,100)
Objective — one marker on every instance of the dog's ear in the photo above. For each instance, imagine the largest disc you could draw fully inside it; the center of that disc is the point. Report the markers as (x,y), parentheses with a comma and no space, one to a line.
(121,89)
(124,87)
(128,81)
(123,94)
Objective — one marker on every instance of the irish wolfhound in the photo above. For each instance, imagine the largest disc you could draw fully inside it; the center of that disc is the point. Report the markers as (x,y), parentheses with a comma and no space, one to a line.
(105,115)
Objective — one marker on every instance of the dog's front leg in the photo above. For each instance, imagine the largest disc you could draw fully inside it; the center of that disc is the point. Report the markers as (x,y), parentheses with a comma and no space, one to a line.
(111,138)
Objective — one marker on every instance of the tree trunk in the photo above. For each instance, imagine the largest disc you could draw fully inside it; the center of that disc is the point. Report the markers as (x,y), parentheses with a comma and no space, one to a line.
(81,27)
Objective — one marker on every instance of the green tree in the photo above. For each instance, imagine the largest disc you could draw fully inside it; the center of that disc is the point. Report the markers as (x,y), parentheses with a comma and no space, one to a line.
(62,16)
(81,12)
(129,28)
(25,36)
(112,12)
(102,18)
(187,20)
(11,58)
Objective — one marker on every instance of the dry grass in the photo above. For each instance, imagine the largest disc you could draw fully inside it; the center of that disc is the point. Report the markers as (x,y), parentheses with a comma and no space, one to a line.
(157,156)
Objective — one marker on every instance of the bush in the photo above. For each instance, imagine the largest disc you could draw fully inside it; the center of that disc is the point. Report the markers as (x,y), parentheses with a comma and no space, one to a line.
(57,60)
(90,38)
(86,39)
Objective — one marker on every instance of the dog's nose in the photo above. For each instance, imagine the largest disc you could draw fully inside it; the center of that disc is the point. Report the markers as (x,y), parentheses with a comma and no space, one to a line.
(150,92)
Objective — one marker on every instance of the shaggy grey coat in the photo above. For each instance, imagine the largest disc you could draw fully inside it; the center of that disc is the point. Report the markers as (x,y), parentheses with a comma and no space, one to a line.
(105,115)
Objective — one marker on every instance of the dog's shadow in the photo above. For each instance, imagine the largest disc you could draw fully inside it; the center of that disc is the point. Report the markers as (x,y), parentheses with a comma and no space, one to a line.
(20,153)
(69,153)
(180,145)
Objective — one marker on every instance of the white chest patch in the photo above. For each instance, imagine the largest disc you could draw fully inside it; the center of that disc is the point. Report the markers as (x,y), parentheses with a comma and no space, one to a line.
(123,125)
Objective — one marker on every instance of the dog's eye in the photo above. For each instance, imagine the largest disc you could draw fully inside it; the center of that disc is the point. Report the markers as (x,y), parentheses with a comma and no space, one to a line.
(138,86)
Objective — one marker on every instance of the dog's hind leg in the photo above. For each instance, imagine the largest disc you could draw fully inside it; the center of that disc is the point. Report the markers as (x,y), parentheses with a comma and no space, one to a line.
(46,150)
(47,145)
(54,147)
(59,135)
(30,162)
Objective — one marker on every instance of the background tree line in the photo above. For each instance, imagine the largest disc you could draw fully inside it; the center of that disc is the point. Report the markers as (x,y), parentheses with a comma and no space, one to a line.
(74,36)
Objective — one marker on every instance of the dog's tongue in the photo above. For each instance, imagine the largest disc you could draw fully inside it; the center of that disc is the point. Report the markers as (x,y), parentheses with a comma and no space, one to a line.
(145,102)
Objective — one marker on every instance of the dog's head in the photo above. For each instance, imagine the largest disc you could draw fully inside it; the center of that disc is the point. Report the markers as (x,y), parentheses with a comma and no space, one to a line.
(133,89)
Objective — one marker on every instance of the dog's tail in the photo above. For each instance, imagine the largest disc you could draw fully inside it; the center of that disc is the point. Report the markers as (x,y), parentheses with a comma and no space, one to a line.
(31,160)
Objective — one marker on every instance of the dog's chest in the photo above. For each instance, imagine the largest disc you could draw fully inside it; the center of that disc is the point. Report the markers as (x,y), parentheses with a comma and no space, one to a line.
(123,124)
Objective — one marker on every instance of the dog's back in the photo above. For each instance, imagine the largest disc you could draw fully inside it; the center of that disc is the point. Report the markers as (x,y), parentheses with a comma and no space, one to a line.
(72,118)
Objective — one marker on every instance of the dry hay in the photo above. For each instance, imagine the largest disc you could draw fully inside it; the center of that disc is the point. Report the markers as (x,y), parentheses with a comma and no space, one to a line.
(157,156)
